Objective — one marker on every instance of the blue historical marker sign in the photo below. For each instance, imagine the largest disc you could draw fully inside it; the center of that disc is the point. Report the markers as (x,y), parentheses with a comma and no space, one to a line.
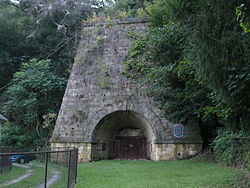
(178,130)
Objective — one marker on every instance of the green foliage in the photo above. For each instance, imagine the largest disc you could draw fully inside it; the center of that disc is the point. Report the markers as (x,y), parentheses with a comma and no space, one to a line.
(127,8)
(67,15)
(100,41)
(195,58)
(105,82)
(141,13)
(49,120)
(104,77)
(13,43)
(122,14)
(41,29)
(35,93)
(162,11)
(243,17)
(33,29)
(219,49)
(22,39)
(158,56)
(19,137)
(136,63)
(232,148)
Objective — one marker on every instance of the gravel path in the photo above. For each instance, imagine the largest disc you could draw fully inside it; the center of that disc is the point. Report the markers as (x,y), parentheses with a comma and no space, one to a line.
(27,174)
(55,176)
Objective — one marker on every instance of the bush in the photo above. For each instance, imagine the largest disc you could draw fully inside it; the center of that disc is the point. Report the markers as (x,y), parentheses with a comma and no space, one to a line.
(19,137)
(31,104)
(232,148)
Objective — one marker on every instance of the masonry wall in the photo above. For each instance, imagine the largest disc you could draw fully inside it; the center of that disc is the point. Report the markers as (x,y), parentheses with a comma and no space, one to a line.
(97,87)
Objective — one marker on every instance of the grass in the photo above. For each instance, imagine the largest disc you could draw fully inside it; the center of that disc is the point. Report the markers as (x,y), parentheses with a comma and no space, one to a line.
(63,178)
(13,174)
(135,174)
(149,174)
(31,181)
(37,177)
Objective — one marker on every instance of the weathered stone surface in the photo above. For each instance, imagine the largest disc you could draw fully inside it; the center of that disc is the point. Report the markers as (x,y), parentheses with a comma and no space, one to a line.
(99,100)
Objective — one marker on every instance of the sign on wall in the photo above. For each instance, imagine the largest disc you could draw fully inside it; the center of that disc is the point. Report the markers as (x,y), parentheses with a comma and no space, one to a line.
(178,130)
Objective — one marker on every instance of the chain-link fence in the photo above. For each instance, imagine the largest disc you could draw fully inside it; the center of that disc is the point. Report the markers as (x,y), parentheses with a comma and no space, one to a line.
(53,167)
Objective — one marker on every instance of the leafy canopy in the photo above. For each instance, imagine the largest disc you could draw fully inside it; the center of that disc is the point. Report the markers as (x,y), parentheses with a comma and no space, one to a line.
(36,92)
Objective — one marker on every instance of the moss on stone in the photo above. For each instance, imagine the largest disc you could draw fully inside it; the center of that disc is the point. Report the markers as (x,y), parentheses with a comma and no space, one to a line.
(100,41)
(80,58)
(105,82)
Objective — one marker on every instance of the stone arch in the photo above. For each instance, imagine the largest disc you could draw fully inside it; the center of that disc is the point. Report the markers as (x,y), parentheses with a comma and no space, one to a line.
(155,123)
(122,134)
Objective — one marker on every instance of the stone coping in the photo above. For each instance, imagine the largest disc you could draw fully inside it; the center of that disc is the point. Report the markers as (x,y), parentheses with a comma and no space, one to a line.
(116,22)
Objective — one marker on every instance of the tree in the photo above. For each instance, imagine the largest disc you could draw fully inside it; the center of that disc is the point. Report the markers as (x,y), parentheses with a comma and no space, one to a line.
(220,51)
(213,49)
(37,29)
(34,97)
(195,58)
(41,29)
(157,59)
(14,47)
(126,8)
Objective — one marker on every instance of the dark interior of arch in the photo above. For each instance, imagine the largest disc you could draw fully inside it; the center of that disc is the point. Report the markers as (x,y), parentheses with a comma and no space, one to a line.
(121,135)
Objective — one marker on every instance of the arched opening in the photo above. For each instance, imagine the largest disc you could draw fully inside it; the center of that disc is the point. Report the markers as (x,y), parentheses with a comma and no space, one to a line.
(122,135)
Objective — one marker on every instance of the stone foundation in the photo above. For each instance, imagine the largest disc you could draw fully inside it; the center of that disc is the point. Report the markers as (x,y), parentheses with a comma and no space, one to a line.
(157,152)
(84,149)
(162,152)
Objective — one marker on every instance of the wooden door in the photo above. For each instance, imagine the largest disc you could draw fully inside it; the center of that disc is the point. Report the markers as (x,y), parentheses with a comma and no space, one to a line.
(131,148)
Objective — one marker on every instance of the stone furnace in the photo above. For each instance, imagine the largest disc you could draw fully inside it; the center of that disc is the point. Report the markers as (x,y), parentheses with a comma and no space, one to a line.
(107,116)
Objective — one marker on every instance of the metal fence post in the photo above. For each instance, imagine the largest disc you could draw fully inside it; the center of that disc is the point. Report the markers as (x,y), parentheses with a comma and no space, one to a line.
(76,156)
(57,155)
(1,171)
(46,170)
(69,168)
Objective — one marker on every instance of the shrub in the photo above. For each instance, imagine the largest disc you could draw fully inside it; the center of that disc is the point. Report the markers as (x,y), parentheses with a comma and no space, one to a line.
(232,148)
(19,137)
